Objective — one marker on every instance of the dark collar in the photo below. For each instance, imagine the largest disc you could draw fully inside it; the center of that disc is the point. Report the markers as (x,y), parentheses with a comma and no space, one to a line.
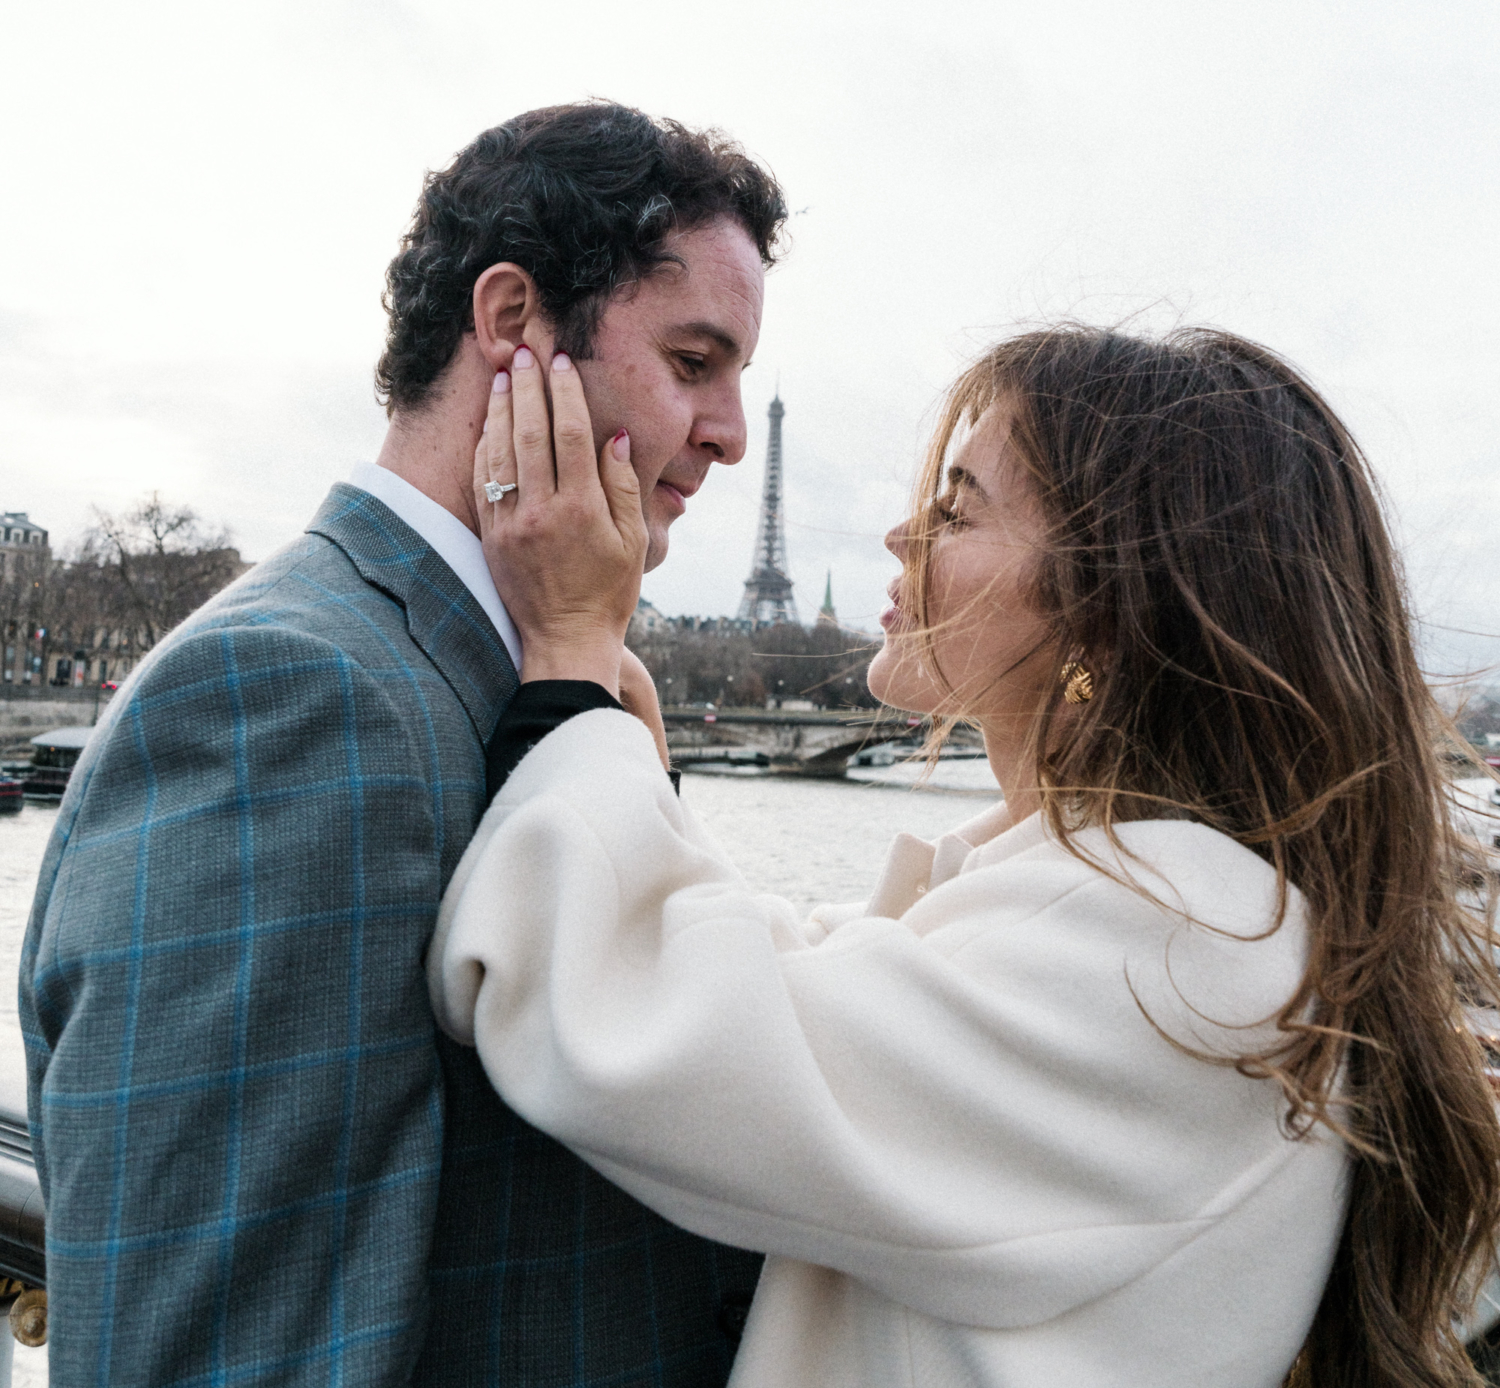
(441,613)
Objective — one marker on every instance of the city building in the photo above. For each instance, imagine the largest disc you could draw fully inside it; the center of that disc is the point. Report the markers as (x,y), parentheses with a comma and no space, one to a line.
(645,619)
(19,536)
(25,559)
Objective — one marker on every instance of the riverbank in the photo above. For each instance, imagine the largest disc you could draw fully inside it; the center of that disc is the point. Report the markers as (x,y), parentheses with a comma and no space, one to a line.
(26,710)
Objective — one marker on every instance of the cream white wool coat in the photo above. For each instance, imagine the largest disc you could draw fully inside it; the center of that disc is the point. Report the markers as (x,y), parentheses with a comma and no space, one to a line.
(944,1113)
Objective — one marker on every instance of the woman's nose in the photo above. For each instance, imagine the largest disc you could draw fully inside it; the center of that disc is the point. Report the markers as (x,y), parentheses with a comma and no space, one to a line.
(898,540)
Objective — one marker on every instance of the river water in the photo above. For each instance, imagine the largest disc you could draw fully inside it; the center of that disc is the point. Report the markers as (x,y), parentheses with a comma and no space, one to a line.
(807,840)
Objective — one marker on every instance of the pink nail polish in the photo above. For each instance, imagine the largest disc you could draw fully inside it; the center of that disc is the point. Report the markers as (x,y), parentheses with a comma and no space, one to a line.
(562,362)
(620,446)
(502,383)
(522,358)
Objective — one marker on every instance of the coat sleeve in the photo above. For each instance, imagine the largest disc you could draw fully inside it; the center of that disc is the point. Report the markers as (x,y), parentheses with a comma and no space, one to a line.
(234,1083)
(966,1108)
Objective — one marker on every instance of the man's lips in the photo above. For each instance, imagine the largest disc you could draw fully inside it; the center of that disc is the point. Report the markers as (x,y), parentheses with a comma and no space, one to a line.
(678,493)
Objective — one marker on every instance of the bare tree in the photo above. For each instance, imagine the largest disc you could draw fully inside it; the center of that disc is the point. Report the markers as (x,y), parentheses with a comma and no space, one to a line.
(152,566)
(821,663)
(712,663)
(129,580)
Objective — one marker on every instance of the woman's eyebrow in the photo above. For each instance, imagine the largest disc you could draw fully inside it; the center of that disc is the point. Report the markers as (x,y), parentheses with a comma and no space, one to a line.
(962,477)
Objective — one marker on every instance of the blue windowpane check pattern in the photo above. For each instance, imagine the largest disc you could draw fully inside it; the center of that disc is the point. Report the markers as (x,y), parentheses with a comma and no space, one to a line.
(261,1163)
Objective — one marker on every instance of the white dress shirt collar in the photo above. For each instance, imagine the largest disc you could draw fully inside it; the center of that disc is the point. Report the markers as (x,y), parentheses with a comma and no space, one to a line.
(456,545)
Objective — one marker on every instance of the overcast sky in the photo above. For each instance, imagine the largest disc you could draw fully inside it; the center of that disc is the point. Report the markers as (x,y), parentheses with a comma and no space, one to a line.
(200,201)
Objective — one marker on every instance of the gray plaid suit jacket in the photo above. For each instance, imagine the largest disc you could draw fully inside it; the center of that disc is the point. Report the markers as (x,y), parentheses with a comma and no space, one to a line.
(261,1163)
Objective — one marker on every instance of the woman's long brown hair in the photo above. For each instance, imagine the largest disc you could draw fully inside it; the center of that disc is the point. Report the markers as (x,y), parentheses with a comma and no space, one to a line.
(1216,558)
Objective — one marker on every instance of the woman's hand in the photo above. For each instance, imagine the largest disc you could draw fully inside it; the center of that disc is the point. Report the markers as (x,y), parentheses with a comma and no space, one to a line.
(638,694)
(566,542)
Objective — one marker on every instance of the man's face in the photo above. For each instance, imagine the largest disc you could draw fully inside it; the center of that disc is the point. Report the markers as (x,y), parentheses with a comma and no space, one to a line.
(666,366)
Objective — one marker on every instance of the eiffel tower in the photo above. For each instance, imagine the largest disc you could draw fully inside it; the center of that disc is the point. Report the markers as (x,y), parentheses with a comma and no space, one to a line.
(768,591)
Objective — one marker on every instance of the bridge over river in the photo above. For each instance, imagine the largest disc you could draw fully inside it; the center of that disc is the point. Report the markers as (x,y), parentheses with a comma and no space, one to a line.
(802,742)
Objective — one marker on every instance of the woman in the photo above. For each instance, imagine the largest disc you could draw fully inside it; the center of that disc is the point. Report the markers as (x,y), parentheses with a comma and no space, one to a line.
(1153,1074)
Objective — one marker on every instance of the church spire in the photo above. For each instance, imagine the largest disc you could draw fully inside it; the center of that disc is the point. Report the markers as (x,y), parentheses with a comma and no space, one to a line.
(826,615)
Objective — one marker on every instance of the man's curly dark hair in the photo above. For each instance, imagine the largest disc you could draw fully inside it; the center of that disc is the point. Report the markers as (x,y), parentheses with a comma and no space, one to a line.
(582,197)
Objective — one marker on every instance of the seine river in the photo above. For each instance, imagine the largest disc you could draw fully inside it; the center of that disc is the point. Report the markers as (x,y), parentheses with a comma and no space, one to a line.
(810,841)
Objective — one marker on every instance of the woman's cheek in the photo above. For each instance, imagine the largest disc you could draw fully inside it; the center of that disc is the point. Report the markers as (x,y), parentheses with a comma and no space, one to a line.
(877,675)
(898,676)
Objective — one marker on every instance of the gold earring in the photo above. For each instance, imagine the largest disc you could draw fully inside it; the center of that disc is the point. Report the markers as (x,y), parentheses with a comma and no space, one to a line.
(1077,683)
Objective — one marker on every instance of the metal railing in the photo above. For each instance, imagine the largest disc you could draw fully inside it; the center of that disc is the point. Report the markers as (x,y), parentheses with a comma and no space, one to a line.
(23,1230)
(23,1235)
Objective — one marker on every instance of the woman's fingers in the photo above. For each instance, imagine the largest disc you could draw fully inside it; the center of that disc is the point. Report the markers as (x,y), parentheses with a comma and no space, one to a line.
(575,542)
(622,493)
(535,474)
(572,430)
(494,457)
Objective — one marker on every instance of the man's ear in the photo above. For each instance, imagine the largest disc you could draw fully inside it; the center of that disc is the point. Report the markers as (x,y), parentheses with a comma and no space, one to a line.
(507,312)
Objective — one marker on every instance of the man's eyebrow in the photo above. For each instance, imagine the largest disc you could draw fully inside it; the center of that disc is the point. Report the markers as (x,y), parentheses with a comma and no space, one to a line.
(962,477)
(726,342)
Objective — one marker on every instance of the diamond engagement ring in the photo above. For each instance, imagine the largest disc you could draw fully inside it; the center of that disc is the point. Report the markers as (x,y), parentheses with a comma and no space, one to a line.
(495,490)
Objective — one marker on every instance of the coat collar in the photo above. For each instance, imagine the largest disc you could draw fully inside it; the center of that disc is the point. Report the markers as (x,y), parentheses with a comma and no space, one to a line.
(913,867)
(441,614)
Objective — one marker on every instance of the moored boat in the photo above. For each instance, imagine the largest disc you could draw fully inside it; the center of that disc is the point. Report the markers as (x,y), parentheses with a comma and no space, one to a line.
(53,758)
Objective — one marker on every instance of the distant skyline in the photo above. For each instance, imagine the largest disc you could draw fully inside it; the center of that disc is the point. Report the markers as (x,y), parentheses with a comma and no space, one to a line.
(203,199)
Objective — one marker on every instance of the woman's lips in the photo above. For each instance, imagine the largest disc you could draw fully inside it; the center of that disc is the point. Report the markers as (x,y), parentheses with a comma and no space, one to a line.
(679,502)
(893,616)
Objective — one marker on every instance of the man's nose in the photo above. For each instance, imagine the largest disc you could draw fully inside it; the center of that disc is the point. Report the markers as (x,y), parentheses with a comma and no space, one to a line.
(719,429)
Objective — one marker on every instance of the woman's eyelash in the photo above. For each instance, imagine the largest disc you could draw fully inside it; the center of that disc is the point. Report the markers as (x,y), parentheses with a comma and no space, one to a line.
(693,364)
(947,512)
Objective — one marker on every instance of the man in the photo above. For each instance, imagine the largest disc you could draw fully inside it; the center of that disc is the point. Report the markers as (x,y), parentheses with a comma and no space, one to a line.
(260,1161)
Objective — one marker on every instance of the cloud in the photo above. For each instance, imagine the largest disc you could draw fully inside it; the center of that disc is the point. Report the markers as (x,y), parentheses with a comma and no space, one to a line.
(251,446)
(189,290)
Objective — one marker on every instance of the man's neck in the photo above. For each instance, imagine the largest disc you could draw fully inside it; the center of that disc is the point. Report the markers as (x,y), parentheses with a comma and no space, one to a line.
(433,447)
